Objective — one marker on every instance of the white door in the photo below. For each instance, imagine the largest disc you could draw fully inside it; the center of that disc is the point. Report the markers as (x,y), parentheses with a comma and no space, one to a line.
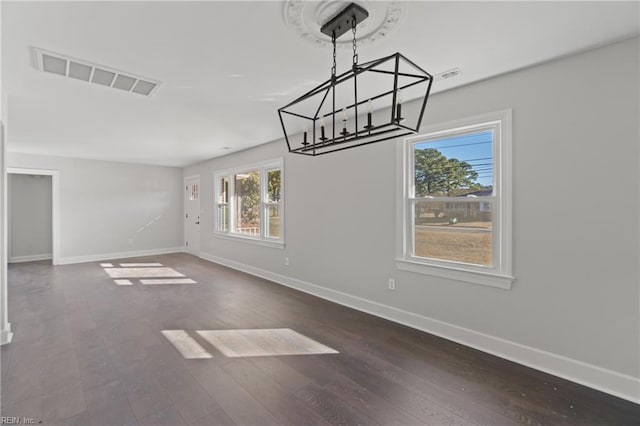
(192,215)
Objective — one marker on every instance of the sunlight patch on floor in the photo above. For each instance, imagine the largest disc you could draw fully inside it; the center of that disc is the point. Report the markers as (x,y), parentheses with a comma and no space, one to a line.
(150,273)
(142,272)
(186,345)
(135,265)
(263,342)
(168,281)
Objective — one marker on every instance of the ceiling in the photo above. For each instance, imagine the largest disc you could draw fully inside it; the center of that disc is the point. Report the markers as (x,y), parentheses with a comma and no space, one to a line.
(226,67)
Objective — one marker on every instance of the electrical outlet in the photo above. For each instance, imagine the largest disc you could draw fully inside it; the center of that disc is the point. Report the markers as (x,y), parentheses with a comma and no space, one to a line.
(392,284)
(286,261)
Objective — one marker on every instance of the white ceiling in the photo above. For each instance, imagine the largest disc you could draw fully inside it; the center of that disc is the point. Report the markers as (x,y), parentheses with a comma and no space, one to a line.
(227,66)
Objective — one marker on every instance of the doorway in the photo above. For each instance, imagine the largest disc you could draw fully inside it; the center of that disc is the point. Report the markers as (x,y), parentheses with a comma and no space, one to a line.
(192,215)
(29,229)
(24,199)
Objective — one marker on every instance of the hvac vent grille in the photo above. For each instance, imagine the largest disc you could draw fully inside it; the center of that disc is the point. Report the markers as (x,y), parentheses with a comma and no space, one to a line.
(448,74)
(67,66)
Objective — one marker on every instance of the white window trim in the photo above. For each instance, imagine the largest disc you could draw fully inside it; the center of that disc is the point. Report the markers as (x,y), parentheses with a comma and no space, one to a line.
(500,275)
(263,167)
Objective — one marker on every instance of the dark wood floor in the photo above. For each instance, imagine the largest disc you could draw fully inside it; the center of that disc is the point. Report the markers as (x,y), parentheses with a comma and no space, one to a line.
(89,352)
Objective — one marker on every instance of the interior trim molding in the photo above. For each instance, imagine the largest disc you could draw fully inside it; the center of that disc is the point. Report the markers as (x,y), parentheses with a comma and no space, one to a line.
(617,384)
(117,255)
(6,335)
(30,258)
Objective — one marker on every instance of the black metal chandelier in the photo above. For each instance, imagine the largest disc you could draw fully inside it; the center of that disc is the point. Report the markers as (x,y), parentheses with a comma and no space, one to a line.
(339,113)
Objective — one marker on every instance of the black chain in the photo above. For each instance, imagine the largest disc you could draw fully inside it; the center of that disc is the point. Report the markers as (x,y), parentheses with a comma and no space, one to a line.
(333,41)
(355,53)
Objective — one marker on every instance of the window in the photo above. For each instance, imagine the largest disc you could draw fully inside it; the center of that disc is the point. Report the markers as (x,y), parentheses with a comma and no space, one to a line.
(456,201)
(223,204)
(248,203)
(193,195)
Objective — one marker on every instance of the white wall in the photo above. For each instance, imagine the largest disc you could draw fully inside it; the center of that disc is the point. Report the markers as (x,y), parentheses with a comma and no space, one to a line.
(110,209)
(574,308)
(29,217)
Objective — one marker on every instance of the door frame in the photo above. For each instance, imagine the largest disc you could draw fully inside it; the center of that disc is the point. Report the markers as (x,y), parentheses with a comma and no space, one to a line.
(184,211)
(55,205)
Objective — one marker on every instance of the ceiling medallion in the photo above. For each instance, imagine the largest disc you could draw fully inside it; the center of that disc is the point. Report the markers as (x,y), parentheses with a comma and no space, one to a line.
(305,18)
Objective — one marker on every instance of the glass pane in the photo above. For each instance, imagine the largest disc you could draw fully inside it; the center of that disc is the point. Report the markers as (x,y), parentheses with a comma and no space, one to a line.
(223,217)
(247,203)
(454,231)
(273,190)
(224,190)
(273,221)
(454,166)
(193,195)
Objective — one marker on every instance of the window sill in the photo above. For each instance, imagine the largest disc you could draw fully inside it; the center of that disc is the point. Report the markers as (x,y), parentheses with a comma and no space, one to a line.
(474,277)
(251,240)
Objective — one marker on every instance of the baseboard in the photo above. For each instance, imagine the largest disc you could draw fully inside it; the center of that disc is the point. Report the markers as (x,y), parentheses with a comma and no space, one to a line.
(608,381)
(30,258)
(6,335)
(118,255)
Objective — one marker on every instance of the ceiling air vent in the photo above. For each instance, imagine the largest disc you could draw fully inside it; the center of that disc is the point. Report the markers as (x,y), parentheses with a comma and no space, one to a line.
(78,69)
(445,75)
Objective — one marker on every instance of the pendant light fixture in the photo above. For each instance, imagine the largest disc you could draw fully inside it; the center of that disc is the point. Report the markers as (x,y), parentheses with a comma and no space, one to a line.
(339,113)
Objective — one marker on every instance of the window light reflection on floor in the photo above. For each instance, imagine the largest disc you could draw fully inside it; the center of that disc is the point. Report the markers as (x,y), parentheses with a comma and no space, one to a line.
(168,281)
(135,265)
(142,272)
(263,342)
(186,345)
(123,282)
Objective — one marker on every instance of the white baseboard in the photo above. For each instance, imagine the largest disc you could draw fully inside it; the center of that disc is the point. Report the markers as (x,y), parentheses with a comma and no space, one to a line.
(6,335)
(602,379)
(30,258)
(119,255)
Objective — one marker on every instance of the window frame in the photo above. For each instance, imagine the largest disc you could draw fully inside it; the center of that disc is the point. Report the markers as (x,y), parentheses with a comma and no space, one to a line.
(217,203)
(263,169)
(500,274)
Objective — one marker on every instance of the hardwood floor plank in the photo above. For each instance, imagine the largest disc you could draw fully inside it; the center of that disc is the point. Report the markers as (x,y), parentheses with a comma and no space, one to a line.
(329,376)
(282,404)
(332,409)
(279,370)
(237,403)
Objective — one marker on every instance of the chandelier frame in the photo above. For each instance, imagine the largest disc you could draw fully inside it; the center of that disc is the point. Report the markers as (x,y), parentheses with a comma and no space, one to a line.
(323,141)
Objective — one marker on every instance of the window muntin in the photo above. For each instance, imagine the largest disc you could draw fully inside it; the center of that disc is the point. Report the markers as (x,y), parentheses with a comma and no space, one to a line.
(249,202)
(456,201)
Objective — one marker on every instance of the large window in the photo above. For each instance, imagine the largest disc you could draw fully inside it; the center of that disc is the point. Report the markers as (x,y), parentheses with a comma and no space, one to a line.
(456,218)
(249,202)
